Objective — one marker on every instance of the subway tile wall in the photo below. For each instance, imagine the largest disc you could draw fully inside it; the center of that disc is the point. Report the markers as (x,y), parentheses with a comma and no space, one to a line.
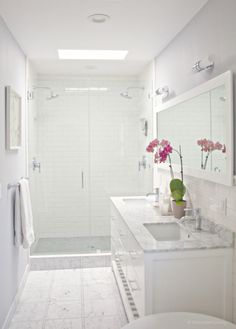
(88,146)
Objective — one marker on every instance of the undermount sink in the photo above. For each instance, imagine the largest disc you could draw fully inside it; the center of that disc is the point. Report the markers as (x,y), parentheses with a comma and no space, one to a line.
(167,231)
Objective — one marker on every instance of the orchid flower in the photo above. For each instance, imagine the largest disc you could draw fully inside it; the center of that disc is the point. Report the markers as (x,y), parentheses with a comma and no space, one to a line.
(163,150)
(208,147)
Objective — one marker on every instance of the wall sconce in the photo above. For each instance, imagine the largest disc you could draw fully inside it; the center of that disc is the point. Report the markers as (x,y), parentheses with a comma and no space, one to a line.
(163,91)
(203,65)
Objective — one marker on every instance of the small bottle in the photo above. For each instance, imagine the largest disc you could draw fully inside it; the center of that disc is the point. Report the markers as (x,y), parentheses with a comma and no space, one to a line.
(157,197)
(165,203)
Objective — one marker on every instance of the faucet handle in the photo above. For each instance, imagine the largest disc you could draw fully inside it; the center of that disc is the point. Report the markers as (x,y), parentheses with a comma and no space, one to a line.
(197,212)
(192,212)
(189,211)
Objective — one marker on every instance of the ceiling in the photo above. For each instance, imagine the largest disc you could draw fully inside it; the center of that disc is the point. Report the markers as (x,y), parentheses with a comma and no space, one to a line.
(143,27)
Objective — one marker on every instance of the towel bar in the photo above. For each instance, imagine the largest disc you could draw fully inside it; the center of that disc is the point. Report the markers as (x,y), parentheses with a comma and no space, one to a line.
(9,186)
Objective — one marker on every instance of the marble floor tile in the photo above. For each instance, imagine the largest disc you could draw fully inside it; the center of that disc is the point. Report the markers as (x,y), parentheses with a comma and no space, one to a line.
(66,292)
(38,279)
(98,308)
(64,324)
(107,322)
(35,293)
(99,291)
(27,325)
(70,299)
(63,277)
(98,275)
(33,311)
(64,310)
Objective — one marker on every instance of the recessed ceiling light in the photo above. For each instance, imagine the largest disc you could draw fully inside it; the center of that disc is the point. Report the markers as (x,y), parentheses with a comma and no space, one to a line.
(92,54)
(98,18)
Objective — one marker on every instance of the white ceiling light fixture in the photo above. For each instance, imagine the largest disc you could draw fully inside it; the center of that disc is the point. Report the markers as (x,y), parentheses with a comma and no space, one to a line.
(77,54)
(99,18)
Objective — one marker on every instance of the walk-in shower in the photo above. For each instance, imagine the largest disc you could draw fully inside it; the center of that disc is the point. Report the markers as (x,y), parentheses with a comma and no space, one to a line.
(87,146)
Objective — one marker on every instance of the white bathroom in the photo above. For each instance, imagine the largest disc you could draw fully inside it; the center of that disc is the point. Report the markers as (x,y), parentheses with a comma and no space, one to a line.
(117,164)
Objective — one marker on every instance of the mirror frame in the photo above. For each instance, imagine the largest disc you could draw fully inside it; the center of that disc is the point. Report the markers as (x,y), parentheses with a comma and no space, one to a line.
(9,94)
(225,79)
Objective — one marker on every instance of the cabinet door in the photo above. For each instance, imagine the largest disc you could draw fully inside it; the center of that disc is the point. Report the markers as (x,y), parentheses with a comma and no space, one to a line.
(194,281)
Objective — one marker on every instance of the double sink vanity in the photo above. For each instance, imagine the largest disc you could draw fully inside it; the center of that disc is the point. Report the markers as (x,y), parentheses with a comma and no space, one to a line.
(166,265)
(163,265)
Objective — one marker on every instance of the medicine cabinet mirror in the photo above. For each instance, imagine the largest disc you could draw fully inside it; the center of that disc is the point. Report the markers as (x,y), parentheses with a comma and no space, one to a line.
(201,120)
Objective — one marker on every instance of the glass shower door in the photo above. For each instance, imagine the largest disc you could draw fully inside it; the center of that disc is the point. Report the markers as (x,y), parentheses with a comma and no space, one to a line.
(61,209)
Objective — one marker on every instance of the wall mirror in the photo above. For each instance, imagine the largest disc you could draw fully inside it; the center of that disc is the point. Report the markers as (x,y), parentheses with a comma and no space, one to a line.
(201,121)
(13,119)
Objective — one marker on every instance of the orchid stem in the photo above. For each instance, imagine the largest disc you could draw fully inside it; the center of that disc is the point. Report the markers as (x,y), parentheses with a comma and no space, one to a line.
(202,167)
(171,169)
(205,164)
(181,162)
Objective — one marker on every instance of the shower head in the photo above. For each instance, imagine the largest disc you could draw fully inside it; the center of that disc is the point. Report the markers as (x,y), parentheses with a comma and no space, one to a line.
(52,96)
(126,94)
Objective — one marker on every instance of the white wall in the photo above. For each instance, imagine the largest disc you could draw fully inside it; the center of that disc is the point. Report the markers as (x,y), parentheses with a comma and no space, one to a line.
(12,166)
(96,133)
(212,32)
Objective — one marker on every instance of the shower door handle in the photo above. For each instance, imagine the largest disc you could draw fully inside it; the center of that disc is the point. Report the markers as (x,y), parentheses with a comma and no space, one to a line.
(82,180)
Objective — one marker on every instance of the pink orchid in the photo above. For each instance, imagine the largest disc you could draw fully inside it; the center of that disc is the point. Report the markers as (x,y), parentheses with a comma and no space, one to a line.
(209,146)
(152,145)
(163,149)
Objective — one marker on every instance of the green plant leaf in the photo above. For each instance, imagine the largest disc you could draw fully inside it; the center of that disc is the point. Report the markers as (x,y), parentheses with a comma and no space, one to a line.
(177,189)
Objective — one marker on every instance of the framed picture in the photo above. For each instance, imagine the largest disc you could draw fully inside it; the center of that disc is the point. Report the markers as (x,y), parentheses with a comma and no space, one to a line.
(13,119)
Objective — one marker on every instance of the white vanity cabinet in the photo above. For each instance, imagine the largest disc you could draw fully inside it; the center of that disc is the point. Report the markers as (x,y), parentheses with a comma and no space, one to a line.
(128,266)
(198,280)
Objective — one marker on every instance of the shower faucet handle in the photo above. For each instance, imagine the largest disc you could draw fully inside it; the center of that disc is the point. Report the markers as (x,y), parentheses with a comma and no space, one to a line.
(142,163)
(36,165)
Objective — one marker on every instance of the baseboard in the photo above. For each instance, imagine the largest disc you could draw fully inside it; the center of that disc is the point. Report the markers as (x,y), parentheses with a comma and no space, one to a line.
(13,306)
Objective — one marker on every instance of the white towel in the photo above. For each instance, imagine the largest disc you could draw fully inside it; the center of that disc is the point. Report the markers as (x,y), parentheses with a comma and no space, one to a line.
(26,214)
(17,219)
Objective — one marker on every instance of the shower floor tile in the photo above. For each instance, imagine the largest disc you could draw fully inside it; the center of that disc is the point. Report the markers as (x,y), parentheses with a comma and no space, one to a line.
(75,245)
(70,299)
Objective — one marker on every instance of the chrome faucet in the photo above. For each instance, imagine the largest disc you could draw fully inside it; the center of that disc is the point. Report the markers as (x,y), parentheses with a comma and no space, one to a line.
(198,218)
(155,194)
(195,213)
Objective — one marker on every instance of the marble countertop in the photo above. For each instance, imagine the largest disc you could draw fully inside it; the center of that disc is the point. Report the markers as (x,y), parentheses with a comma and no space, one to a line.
(137,211)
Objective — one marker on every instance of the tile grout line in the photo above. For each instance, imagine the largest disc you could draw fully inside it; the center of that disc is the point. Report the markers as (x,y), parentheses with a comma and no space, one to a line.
(49,301)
